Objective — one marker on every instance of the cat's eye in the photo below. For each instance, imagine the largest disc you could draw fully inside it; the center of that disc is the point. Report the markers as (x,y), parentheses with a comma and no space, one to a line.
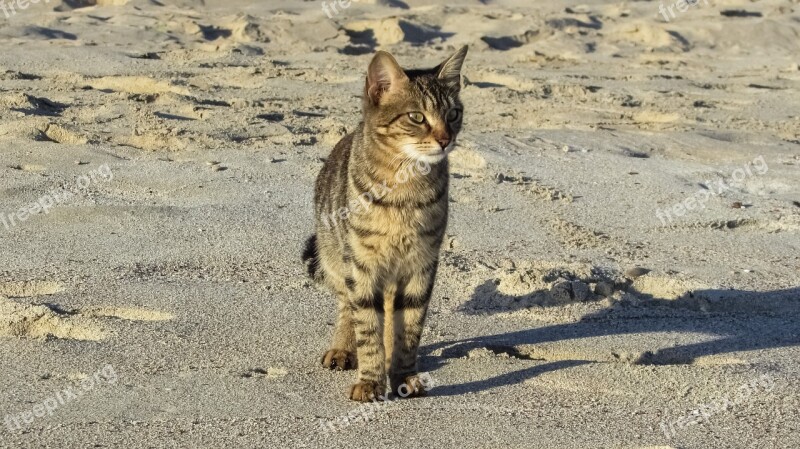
(417,117)
(454,115)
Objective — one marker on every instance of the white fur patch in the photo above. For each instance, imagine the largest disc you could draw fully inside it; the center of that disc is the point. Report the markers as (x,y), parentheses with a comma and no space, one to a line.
(411,151)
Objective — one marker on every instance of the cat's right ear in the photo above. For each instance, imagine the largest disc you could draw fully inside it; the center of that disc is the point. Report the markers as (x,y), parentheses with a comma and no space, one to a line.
(383,76)
(450,70)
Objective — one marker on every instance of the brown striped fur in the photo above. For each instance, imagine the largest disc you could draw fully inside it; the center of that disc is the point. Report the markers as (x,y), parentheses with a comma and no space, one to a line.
(381,212)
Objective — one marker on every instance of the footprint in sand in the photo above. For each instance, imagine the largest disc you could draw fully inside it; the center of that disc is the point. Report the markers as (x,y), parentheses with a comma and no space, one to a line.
(27,167)
(505,43)
(484,79)
(135,85)
(372,33)
(46,320)
(465,161)
(65,135)
(573,235)
(784,224)
(26,289)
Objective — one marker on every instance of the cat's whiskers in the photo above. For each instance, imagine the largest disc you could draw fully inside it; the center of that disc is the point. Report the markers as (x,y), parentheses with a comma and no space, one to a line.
(402,157)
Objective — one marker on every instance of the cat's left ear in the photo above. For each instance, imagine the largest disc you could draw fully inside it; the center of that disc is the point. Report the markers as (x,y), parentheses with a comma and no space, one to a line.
(450,70)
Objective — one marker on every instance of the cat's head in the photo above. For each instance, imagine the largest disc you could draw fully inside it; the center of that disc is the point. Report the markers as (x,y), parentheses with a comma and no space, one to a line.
(415,112)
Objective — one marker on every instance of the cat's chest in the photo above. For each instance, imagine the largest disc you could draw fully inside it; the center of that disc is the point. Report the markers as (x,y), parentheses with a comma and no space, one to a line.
(404,238)
(400,223)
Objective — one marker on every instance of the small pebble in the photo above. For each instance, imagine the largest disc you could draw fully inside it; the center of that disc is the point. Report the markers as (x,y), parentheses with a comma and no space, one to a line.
(561,292)
(212,163)
(604,289)
(737,205)
(580,290)
(507,264)
(218,168)
(636,272)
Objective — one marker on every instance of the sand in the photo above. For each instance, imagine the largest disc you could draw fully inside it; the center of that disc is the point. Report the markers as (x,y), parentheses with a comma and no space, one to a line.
(622,265)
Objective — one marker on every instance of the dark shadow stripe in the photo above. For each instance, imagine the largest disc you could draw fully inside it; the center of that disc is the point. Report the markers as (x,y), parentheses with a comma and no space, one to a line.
(403,301)
(372,302)
(386,203)
(373,248)
(361,232)
(361,266)
(359,185)
(437,230)
(431,267)
(369,373)
(408,302)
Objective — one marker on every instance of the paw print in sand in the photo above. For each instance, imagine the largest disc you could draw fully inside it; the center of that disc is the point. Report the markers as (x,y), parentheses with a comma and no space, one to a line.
(24,314)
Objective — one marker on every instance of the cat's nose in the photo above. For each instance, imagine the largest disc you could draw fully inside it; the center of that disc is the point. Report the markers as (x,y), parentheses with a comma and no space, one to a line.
(443,142)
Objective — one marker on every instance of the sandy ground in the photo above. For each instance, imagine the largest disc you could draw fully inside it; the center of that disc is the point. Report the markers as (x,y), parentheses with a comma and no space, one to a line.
(622,268)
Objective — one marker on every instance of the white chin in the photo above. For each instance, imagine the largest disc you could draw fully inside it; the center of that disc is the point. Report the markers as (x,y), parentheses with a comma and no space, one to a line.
(427,158)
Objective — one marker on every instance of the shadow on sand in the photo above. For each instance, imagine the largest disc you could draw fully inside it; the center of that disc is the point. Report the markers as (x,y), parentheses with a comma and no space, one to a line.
(741,320)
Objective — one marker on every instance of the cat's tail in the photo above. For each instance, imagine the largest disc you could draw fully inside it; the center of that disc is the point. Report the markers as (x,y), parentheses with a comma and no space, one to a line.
(311,259)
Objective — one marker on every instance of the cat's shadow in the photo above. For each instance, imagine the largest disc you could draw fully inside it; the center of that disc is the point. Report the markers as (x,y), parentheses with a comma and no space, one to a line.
(741,320)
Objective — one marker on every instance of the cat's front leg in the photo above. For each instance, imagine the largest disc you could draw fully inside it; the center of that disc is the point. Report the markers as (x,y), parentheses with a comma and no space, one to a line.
(366,302)
(408,318)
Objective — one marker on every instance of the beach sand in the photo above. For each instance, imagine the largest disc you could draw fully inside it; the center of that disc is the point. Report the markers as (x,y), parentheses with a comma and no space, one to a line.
(621,268)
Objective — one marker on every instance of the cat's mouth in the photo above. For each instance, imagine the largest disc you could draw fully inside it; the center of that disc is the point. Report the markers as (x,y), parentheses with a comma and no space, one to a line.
(430,154)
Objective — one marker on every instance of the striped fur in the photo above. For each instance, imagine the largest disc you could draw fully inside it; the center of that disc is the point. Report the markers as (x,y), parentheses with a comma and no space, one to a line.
(381,212)
(311,259)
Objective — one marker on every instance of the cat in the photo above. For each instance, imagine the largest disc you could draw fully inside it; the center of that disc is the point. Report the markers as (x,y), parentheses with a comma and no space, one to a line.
(381,207)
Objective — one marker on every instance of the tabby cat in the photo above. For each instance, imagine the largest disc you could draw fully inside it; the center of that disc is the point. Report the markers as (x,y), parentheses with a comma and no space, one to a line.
(381,211)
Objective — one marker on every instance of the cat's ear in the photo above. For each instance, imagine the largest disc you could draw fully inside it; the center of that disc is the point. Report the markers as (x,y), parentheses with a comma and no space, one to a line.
(450,70)
(384,75)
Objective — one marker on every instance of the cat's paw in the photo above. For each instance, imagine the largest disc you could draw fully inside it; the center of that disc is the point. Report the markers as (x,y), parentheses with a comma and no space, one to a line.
(339,359)
(411,386)
(367,391)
